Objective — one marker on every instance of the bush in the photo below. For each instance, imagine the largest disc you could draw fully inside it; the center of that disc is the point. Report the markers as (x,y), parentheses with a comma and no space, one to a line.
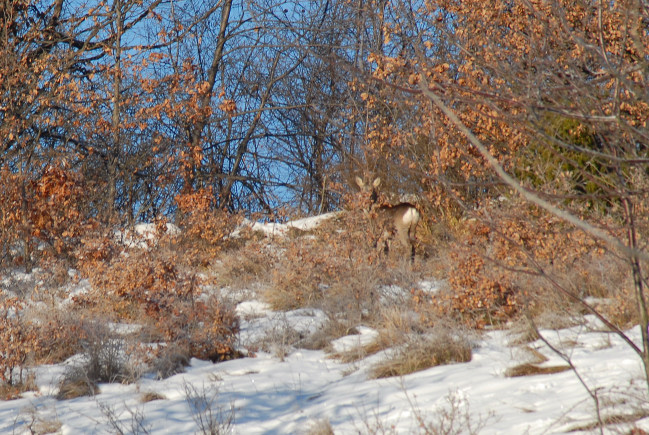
(152,290)
(208,329)
(169,360)
(75,384)
(210,418)
(60,334)
(335,262)
(18,342)
(103,359)
(154,282)
(48,210)
(105,356)
(206,232)
(512,258)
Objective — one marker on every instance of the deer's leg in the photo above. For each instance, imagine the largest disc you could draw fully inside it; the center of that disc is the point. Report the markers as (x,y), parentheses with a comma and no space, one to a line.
(404,237)
(384,242)
(410,241)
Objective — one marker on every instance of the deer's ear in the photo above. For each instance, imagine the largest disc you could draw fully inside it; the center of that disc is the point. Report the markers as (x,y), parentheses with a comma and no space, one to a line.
(359,181)
(376,183)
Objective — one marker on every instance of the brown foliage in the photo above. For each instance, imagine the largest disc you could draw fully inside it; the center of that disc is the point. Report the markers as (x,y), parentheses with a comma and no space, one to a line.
(511,258)
(49,209)
(206,231)
(18,341)
(49,337)
(156,284)
(213,328)
(323,264)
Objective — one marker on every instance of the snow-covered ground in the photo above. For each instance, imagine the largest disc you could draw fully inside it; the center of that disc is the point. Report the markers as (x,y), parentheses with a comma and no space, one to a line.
(272,395)
(279,229)
(293,391)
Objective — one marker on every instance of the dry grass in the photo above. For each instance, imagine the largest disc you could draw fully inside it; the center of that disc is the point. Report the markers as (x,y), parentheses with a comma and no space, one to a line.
(320,427)
(331,330)
(39,424)
(74,385)
(244,266)
(151,396)
(396,325)
(533,366)
(359,353)
(522,333)
(439,346)
(15,390)
(45,426)
(529,369)
(617,420)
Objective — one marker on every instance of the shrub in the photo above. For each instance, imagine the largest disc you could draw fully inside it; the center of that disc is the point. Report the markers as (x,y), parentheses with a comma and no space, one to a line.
(155,284)
(169,360)
(48,209)
(104,353)
(324,265)
(511,258)
(18,342)
(206,231)
(152,290)
(481,295)
(103,359)
(37,423)
(207,328)
(60,334)
(134,426)
(11,391)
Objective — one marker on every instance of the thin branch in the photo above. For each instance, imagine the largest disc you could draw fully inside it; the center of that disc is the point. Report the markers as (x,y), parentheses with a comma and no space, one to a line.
(514,184)
(592,393)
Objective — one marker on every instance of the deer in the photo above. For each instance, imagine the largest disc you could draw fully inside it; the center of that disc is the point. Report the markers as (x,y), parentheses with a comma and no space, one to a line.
(398,219)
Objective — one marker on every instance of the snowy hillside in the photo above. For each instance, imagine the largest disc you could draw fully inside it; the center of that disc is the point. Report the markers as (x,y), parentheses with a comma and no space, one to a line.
(284,389)
(267,395)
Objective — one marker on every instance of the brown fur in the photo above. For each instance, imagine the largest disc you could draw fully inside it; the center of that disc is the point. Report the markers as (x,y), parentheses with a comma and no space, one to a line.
(398,220)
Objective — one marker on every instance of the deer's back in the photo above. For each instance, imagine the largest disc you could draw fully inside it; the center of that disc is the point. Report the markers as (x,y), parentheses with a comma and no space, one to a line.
(401,215)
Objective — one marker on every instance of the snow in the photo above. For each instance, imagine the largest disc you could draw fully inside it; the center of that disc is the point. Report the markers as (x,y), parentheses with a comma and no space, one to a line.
(364,337)
(142,234)
(289,390)
(270,395)
(279,229)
